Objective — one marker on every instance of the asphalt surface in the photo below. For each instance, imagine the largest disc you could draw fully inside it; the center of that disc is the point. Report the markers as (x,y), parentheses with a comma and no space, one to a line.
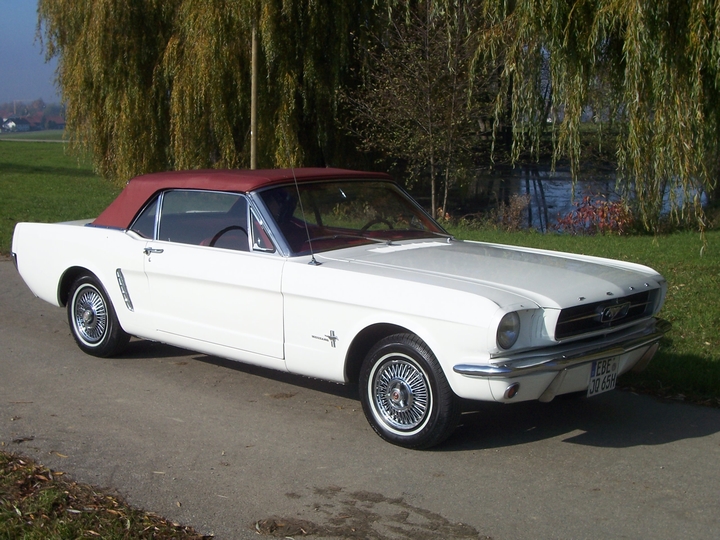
(233,450)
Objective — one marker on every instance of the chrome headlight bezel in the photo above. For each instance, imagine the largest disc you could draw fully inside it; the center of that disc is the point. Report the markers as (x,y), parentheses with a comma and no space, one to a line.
(508,330)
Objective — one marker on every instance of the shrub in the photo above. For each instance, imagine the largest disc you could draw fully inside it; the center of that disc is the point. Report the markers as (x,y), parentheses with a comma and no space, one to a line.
(597,215)
(509,217)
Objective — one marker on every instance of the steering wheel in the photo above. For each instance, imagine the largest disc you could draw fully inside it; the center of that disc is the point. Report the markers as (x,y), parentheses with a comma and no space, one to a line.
(375,222)
(224,231)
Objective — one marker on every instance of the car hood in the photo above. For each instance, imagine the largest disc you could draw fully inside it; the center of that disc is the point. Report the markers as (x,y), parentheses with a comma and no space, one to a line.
(504,274)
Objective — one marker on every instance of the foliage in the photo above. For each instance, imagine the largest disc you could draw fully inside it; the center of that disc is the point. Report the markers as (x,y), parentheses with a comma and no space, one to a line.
(37,503)
(648,69)
(21,108)
(507,216)
(159,84)
(597,215)
(413,102)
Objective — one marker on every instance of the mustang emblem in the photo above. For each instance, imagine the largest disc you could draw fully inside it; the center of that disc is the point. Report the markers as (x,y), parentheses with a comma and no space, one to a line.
(331,337)
(614,313)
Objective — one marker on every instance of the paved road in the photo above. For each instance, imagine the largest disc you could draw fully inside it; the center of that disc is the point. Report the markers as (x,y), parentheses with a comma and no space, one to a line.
(223,447)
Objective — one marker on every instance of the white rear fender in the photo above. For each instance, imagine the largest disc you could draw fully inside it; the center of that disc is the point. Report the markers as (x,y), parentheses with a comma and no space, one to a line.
(51,255)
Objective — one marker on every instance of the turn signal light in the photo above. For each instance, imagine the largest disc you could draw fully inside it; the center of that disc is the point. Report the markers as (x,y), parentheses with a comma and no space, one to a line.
(511,391)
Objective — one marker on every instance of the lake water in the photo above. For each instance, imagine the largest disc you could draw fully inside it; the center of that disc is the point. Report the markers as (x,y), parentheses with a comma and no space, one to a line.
(551,193)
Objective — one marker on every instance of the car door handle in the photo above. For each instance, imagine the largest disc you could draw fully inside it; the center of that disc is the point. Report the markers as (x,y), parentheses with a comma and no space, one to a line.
(149,250)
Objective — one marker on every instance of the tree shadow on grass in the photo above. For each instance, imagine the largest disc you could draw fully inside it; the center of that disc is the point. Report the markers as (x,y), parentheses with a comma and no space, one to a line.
(76,172)
(680,377)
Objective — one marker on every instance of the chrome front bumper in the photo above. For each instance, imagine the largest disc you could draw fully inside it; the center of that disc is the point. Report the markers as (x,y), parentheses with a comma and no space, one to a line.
(563,357)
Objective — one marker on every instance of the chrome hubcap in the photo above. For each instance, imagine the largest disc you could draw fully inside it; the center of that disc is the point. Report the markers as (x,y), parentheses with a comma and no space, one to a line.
(90,315)
(401,394)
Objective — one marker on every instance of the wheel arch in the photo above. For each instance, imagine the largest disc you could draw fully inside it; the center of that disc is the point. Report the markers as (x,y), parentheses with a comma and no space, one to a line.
(93,321)
(364,341)
(68,278)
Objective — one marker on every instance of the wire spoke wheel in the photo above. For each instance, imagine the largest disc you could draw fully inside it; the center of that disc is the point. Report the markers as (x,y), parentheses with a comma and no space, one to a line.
(93,320)
(90,314)
(402,396)
(405,395)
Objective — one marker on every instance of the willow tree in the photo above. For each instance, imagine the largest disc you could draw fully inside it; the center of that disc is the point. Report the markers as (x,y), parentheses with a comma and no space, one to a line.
(161,84)
(651,67)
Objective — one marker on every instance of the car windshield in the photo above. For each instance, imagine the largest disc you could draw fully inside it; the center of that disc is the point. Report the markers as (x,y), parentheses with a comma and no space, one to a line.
(346,213)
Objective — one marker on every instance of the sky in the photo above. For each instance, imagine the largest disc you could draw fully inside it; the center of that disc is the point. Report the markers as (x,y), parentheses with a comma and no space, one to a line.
(24,75)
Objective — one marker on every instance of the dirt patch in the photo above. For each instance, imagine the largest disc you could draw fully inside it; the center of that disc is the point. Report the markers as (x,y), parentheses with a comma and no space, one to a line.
(362,514)
(283,395)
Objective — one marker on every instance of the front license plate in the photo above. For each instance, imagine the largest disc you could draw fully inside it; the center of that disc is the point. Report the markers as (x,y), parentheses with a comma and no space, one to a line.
(603,376)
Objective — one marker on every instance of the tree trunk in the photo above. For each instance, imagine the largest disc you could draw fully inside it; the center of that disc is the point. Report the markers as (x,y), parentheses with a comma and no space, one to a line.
(433,201)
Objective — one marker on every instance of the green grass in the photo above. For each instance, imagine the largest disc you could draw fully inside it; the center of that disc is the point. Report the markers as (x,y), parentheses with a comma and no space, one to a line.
(39,182)
(688,364)
(45,135)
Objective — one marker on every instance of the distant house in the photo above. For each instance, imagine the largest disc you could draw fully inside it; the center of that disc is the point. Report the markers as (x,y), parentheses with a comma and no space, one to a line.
(16,124)
(54,122)
(36,120)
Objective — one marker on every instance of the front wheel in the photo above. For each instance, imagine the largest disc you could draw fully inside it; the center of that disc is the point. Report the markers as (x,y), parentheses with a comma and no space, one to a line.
(92,319)
(405,395)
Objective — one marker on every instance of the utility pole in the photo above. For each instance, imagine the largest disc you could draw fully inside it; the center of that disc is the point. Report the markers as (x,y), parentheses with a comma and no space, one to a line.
(253,100)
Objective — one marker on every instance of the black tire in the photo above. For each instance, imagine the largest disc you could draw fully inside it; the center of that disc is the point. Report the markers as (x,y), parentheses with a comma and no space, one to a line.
(92,319)
(405,395)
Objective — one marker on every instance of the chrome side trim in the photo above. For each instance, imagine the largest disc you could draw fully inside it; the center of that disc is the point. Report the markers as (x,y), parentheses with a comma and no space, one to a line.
(123,289)
(558,359)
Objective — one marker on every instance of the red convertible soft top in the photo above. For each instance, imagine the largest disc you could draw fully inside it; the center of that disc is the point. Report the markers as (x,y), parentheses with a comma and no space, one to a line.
(138,190)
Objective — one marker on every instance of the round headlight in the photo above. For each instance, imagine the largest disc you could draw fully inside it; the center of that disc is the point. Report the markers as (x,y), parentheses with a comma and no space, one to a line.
(508,330)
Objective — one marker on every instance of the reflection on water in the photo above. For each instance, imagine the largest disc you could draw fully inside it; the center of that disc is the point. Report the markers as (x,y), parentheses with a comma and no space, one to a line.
(550,193)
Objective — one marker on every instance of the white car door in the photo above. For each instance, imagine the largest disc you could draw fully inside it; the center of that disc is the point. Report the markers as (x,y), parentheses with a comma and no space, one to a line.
(214,295)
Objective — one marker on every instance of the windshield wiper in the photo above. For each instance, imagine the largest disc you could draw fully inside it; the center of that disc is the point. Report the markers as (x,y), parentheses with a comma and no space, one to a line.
(354,236)
(450,237)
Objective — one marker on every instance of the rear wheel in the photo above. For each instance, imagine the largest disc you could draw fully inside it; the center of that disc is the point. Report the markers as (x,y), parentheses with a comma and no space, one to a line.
(405,395)
(92,319)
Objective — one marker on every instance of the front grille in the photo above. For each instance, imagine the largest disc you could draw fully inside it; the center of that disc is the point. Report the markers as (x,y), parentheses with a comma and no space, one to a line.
(579,320)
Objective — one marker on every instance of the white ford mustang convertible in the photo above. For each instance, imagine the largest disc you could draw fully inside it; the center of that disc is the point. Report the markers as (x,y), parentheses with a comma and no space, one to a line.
(340,275)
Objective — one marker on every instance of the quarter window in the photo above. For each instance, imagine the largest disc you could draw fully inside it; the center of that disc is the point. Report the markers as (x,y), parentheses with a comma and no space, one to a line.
(261,240)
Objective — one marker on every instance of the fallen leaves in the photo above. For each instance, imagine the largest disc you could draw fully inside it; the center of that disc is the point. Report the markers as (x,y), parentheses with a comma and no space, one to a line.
(39,497)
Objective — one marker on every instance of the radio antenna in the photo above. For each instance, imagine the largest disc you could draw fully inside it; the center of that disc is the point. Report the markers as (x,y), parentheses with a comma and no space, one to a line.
(313,260)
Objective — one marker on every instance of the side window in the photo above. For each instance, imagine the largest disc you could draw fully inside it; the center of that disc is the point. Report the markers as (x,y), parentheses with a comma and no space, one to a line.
(144,224)
(260,239)
(205,218)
